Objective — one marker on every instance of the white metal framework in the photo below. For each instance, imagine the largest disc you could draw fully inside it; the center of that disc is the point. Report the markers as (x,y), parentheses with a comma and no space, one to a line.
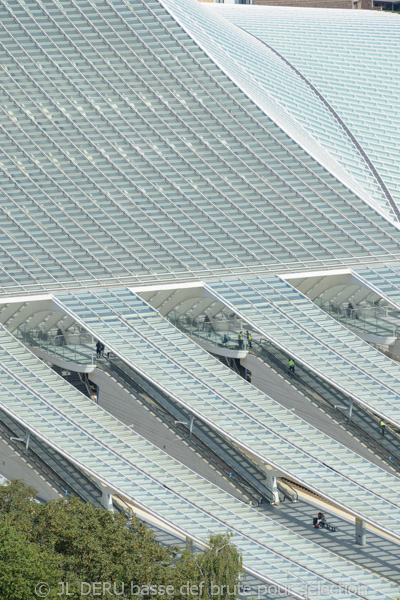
(128,155)
(141,146)
(132,467)
(355,81)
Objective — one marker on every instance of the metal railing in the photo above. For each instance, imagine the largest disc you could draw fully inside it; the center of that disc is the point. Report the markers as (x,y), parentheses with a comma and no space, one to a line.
(74,347)
(223,334)
(365,319)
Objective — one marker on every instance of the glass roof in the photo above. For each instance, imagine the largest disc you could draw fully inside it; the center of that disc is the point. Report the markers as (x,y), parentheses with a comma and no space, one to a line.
(384,279)
(128,155)
(351,59)
(129,464)
(316,340)
(137,334)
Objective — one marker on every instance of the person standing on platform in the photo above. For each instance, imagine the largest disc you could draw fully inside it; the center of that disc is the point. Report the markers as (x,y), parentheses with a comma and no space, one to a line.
(249,338)
(240,340)
(350,309)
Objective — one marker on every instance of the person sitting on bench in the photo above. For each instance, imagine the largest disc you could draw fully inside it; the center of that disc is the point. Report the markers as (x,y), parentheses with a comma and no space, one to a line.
(319,521)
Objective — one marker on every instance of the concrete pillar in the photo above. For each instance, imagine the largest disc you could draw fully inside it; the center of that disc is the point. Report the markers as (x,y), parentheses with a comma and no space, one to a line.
(106,499)
(361,532)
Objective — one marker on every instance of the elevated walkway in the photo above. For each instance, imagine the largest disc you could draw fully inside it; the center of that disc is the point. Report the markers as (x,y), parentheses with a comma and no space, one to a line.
(365,322)
(127,465)
(223,350)
(160,353)
(77,356)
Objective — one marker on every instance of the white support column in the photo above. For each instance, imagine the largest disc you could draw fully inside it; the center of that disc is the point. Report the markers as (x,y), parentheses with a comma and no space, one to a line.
(271,482)
(361,532)
(363,293)
(331,293)
(35,320)
(68,322)
(214,309)
(350,408)
(106,499)
(191,425)
(22,315)
(203,304)
(25,440)
(188,424)
(186,306)
(161,297)
(313,286)
(346,294)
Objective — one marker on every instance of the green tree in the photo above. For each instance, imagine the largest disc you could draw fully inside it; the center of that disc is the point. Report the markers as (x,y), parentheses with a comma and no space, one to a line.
(69,541)
(221,568)
(97,545)
(17,504)
(89,544)
(23,565)
(187,576)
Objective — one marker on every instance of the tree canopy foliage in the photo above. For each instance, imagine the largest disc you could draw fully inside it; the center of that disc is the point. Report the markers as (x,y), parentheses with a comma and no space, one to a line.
(220,567)
(45,544)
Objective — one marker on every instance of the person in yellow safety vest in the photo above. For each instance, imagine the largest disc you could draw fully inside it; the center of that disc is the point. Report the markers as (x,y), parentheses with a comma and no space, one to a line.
(382,425)
(249,338)
(291,365)
(240,339)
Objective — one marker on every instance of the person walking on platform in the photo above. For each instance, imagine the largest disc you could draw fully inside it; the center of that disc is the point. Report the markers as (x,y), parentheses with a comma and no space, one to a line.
(240,340)
(291,365)
(249,338)
(382,426)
